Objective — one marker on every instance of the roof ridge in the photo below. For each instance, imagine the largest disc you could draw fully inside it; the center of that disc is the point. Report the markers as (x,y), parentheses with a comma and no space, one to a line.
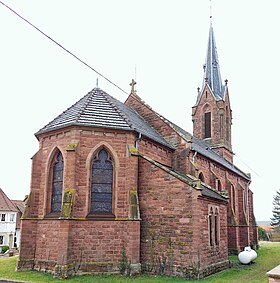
(60,115)
(87,100)
(108,97)
(165,120)
(231,164)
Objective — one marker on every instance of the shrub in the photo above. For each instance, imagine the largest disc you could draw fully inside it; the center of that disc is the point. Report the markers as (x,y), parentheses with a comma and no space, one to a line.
(4,249)
(262,234)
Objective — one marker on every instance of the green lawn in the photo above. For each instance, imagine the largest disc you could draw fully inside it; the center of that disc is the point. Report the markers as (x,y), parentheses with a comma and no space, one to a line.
(268,258)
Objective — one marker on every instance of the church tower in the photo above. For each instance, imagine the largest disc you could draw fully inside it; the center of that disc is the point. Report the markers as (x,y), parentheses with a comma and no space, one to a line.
(212,115)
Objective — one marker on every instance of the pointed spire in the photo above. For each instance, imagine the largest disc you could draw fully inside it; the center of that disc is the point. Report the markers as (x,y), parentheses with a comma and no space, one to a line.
(212,75)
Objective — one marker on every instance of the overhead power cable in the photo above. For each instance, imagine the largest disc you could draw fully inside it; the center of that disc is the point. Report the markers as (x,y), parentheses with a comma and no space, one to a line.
(61,46)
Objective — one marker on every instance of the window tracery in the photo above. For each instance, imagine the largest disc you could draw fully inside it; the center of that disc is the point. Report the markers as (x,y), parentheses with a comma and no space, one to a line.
(57,183)
(101,183)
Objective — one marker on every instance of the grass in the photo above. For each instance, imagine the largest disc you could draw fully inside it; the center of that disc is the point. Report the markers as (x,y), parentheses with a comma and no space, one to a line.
(268,258)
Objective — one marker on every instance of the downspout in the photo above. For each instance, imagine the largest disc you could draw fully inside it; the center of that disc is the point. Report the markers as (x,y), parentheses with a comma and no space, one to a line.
(137,141)
(195,153)
(247,210)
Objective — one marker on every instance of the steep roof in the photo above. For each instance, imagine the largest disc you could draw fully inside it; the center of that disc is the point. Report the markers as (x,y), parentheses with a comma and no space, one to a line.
(201,147)
(190,180)
(19,204)
(212,75)
(5,203)
(99,109)
(198,145)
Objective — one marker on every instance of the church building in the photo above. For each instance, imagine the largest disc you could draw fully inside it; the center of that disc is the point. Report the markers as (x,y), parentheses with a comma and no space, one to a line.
(117,187)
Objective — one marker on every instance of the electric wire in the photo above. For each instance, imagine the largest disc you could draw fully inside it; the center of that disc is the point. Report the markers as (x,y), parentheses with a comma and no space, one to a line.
(246,165)
(61,46)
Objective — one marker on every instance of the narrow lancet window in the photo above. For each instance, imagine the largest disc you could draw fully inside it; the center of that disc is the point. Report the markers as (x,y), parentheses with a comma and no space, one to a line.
(201,177)
(207,125)
(101,184)
(210,218)
(57,183)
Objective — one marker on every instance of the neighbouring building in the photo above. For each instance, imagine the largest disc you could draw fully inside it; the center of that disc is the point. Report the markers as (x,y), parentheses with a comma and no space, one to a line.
(116,183)
(10,214)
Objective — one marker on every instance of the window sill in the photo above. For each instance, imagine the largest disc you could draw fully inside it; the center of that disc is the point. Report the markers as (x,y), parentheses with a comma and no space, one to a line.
(101,217)
(53,215)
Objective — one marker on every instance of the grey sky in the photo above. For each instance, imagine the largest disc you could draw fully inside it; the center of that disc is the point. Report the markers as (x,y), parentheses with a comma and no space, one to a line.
(167,41)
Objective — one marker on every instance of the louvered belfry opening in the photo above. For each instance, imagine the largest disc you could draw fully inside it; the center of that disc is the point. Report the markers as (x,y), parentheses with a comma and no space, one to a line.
(207,125)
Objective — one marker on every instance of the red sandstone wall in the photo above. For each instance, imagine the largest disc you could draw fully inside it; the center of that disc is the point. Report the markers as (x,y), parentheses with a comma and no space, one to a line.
(156,152)
(51,242)
(208,103)
(218,253)
(166,213)
(174,228)
(86,246)
(237,237)
(181,152)
(77,167)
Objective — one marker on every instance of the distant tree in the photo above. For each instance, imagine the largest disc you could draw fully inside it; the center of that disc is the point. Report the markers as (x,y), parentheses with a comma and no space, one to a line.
(275,220)
(263,236)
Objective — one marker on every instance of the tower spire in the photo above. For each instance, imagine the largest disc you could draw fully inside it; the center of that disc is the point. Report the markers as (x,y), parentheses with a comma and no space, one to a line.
(212,120)
(212,74)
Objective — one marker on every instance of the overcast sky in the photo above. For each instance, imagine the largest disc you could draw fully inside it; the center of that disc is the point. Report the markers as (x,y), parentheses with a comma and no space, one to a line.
(165,42)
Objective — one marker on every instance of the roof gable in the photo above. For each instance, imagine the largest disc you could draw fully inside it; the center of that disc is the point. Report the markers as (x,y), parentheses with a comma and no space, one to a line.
(5,203)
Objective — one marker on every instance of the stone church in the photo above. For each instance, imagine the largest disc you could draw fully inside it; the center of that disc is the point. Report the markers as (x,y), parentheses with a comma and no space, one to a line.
(116,186)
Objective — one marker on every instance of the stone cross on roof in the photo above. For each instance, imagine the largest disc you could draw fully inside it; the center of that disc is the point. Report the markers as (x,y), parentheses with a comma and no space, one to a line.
(132,84)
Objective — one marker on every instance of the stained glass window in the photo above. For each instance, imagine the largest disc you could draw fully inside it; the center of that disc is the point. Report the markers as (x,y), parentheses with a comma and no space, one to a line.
(57,183)
(101,186)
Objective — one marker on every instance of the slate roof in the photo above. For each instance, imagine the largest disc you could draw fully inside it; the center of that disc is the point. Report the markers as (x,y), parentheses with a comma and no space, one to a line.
(212,70)
(201,147)
(5,203)
(99,109)
(211,193)
(205,190)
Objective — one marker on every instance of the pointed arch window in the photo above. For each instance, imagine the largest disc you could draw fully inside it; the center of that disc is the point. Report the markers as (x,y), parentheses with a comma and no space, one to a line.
(201,177)
(216,230)
(210,219)
(232,197)
(207,125)
(101,183)
(219,185)
(227,124)
(214,226)
(57,182)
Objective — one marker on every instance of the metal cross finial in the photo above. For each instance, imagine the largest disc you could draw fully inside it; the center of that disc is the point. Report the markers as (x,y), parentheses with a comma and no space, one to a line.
(210,9)
(132,84)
